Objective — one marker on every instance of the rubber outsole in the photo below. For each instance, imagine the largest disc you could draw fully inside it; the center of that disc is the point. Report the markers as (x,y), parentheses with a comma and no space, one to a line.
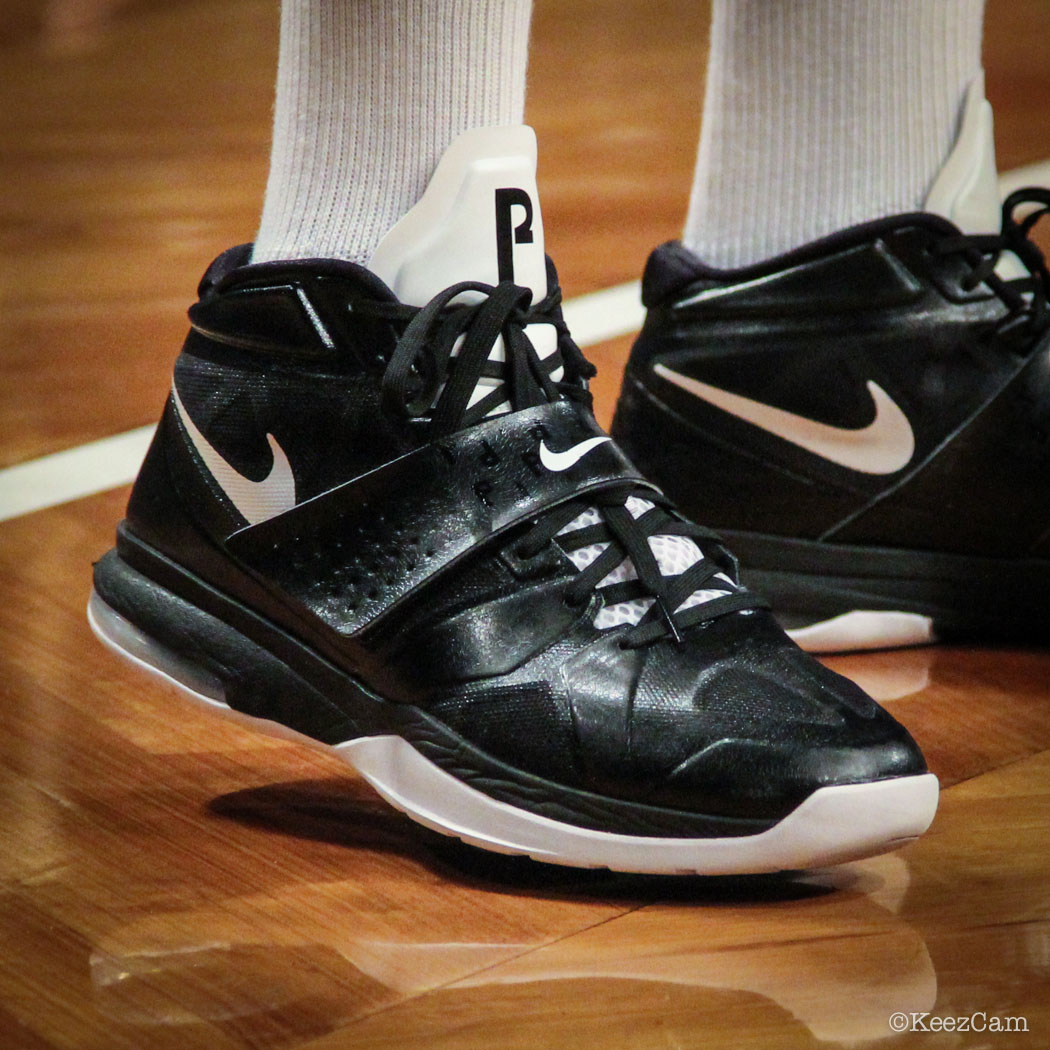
(834,824)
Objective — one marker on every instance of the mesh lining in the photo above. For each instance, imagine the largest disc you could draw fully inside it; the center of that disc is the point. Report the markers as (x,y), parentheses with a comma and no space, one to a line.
(674,554)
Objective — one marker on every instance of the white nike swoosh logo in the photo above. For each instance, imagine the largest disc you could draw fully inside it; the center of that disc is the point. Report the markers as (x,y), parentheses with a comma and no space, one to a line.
(559,461)
(884,446)
(255,500)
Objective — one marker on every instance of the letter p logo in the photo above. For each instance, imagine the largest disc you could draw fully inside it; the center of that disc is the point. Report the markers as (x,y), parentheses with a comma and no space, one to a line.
(507,234)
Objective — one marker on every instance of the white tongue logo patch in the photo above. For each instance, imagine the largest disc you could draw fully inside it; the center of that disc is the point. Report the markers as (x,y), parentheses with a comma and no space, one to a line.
(479,220)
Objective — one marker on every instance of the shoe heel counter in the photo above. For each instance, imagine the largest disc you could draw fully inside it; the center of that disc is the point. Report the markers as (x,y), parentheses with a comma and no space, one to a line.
(154,512)
(171,507)
(172,514)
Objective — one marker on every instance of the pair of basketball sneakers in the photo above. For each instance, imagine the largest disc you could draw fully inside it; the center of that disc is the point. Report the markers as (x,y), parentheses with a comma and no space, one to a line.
(378,512)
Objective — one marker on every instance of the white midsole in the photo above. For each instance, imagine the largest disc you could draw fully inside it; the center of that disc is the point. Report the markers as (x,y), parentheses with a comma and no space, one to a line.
(832,825)
(835,824)
(865,629)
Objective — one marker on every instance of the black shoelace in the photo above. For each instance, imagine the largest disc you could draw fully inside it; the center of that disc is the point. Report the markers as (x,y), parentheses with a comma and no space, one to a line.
(1026,297)
(424,378)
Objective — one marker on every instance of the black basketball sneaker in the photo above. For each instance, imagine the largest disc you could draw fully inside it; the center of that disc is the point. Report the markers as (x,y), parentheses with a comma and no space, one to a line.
(378,512)
(866,420)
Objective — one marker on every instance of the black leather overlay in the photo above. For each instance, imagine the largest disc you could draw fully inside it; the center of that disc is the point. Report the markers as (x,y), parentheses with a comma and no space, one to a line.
(351,554)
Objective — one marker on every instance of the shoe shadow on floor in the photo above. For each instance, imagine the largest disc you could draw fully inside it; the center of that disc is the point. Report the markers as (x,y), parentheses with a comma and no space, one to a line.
(343,812)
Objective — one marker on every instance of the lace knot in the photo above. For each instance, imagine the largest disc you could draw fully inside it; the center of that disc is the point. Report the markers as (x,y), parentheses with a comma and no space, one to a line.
(1024,297)
(446,348)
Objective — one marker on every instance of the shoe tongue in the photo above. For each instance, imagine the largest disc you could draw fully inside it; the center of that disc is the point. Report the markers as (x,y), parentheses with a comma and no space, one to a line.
(478,220)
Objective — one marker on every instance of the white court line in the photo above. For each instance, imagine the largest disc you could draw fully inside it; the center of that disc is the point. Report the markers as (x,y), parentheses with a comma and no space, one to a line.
(114,461)
(612,312)
(76,472)
(1037,174)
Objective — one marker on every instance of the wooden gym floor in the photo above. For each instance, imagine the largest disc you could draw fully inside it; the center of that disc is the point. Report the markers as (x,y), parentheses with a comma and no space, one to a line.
(169,880)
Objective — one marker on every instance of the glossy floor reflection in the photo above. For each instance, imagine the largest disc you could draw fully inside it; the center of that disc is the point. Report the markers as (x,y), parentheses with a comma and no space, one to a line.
(833,952)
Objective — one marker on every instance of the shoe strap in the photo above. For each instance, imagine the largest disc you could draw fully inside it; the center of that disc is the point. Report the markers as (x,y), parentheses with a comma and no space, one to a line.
(352,554)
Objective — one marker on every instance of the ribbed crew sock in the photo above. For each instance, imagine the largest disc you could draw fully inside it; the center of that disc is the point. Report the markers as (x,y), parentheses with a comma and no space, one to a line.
(820,114)
(369,95)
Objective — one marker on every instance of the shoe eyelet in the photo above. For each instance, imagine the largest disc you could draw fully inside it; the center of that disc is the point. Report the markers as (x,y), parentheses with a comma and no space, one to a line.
(489,456)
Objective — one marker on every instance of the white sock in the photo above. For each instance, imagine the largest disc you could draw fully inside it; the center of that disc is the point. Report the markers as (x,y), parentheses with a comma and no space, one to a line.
(369,95)
(820,114)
